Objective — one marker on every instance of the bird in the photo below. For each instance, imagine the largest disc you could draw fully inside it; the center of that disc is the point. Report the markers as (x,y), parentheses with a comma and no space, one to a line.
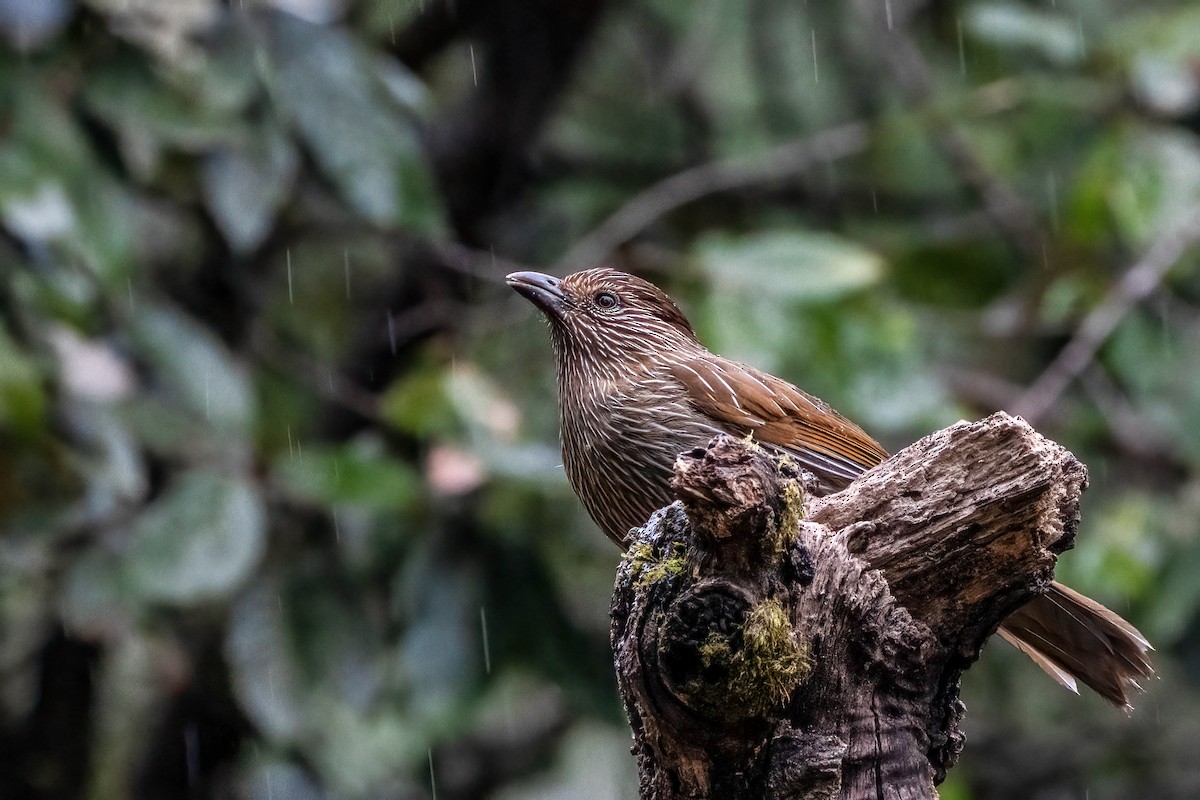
(637,388)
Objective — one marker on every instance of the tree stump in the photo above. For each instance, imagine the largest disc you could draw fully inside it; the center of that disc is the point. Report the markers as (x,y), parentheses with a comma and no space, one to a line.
(772,644)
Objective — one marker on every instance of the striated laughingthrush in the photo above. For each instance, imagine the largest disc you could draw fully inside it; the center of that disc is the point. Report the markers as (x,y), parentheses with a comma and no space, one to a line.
(637,388)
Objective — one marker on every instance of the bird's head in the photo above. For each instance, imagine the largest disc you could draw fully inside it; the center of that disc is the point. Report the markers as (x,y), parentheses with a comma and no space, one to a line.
(606,315)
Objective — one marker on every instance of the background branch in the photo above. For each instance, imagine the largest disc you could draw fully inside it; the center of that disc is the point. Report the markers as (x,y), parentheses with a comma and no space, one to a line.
(1139,281)
(644,208)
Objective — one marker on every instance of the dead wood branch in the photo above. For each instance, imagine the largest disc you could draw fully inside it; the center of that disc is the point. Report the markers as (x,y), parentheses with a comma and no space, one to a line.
(772,645)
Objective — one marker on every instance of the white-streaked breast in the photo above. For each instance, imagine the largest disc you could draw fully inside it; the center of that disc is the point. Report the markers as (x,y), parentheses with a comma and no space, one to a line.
(619,448)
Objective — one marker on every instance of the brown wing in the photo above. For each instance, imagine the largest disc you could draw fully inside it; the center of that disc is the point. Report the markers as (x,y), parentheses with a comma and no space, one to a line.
(747,400)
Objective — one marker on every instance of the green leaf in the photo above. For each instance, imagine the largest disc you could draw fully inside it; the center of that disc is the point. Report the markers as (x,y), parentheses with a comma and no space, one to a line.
(348,475)
(150,115)
(1144,179)
(363,751)
(966,275)
(1055,36)
(1159,366)
(104,240)
(307,670)
(1119,552)
(355,128)
(278,779)
(112,462)
(195,363)
(229,80)
(419,403)
(264,672)
(244,188)
(22,400)
(797,265)
(53,191)
(44,138)
(903,158)
(201,540)
(1168,87)
(1174,595)
(95,595)
(1169,33)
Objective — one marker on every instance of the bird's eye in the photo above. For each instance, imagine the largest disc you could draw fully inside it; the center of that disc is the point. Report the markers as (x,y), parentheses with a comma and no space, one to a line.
(606,300)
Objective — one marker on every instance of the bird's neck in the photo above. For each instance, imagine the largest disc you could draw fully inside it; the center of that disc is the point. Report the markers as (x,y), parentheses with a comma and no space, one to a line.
(584,379)
(588,373)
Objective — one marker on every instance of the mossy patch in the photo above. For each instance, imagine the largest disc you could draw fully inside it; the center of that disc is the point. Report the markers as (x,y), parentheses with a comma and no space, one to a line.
(793,513)
(651,567)
(768,666)
(792,496)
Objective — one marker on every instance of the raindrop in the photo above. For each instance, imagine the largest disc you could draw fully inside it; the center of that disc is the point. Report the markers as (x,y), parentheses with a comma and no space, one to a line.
(1168,342)
(962,50)
(816,69)
(1082,40)
(191,749)
(291,297)
(337,529)
(474,71)
(1052,191)
(346,266)
(291,447)
(487,652)
(887,7)
(129,289)
(391,332)
(874,200)
(432,781)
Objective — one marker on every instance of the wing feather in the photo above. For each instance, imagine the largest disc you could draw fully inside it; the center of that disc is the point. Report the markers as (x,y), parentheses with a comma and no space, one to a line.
(747,400)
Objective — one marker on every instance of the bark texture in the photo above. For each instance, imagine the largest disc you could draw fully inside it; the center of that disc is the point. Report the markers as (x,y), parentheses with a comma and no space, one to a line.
(769,644)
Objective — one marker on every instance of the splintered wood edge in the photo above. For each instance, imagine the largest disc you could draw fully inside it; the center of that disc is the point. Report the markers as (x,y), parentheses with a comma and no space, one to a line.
(967,517)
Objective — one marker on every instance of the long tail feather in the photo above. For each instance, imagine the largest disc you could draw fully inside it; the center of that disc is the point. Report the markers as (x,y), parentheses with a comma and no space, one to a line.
(1074,638)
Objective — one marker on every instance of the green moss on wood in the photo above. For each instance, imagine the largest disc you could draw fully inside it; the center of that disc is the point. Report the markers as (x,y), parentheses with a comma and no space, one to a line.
(650,567)
(793,513)
(768,666)
(792,496)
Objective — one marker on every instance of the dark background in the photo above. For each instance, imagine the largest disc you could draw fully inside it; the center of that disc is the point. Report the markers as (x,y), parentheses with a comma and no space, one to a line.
(282,512)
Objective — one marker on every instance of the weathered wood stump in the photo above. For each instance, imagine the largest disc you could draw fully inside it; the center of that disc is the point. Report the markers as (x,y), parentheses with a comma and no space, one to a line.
(771,644)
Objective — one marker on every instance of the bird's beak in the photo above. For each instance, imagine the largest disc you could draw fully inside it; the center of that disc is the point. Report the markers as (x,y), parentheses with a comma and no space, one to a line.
(544,291)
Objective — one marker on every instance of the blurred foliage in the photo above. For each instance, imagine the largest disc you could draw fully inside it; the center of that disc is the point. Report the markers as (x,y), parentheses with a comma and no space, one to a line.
(281,506)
